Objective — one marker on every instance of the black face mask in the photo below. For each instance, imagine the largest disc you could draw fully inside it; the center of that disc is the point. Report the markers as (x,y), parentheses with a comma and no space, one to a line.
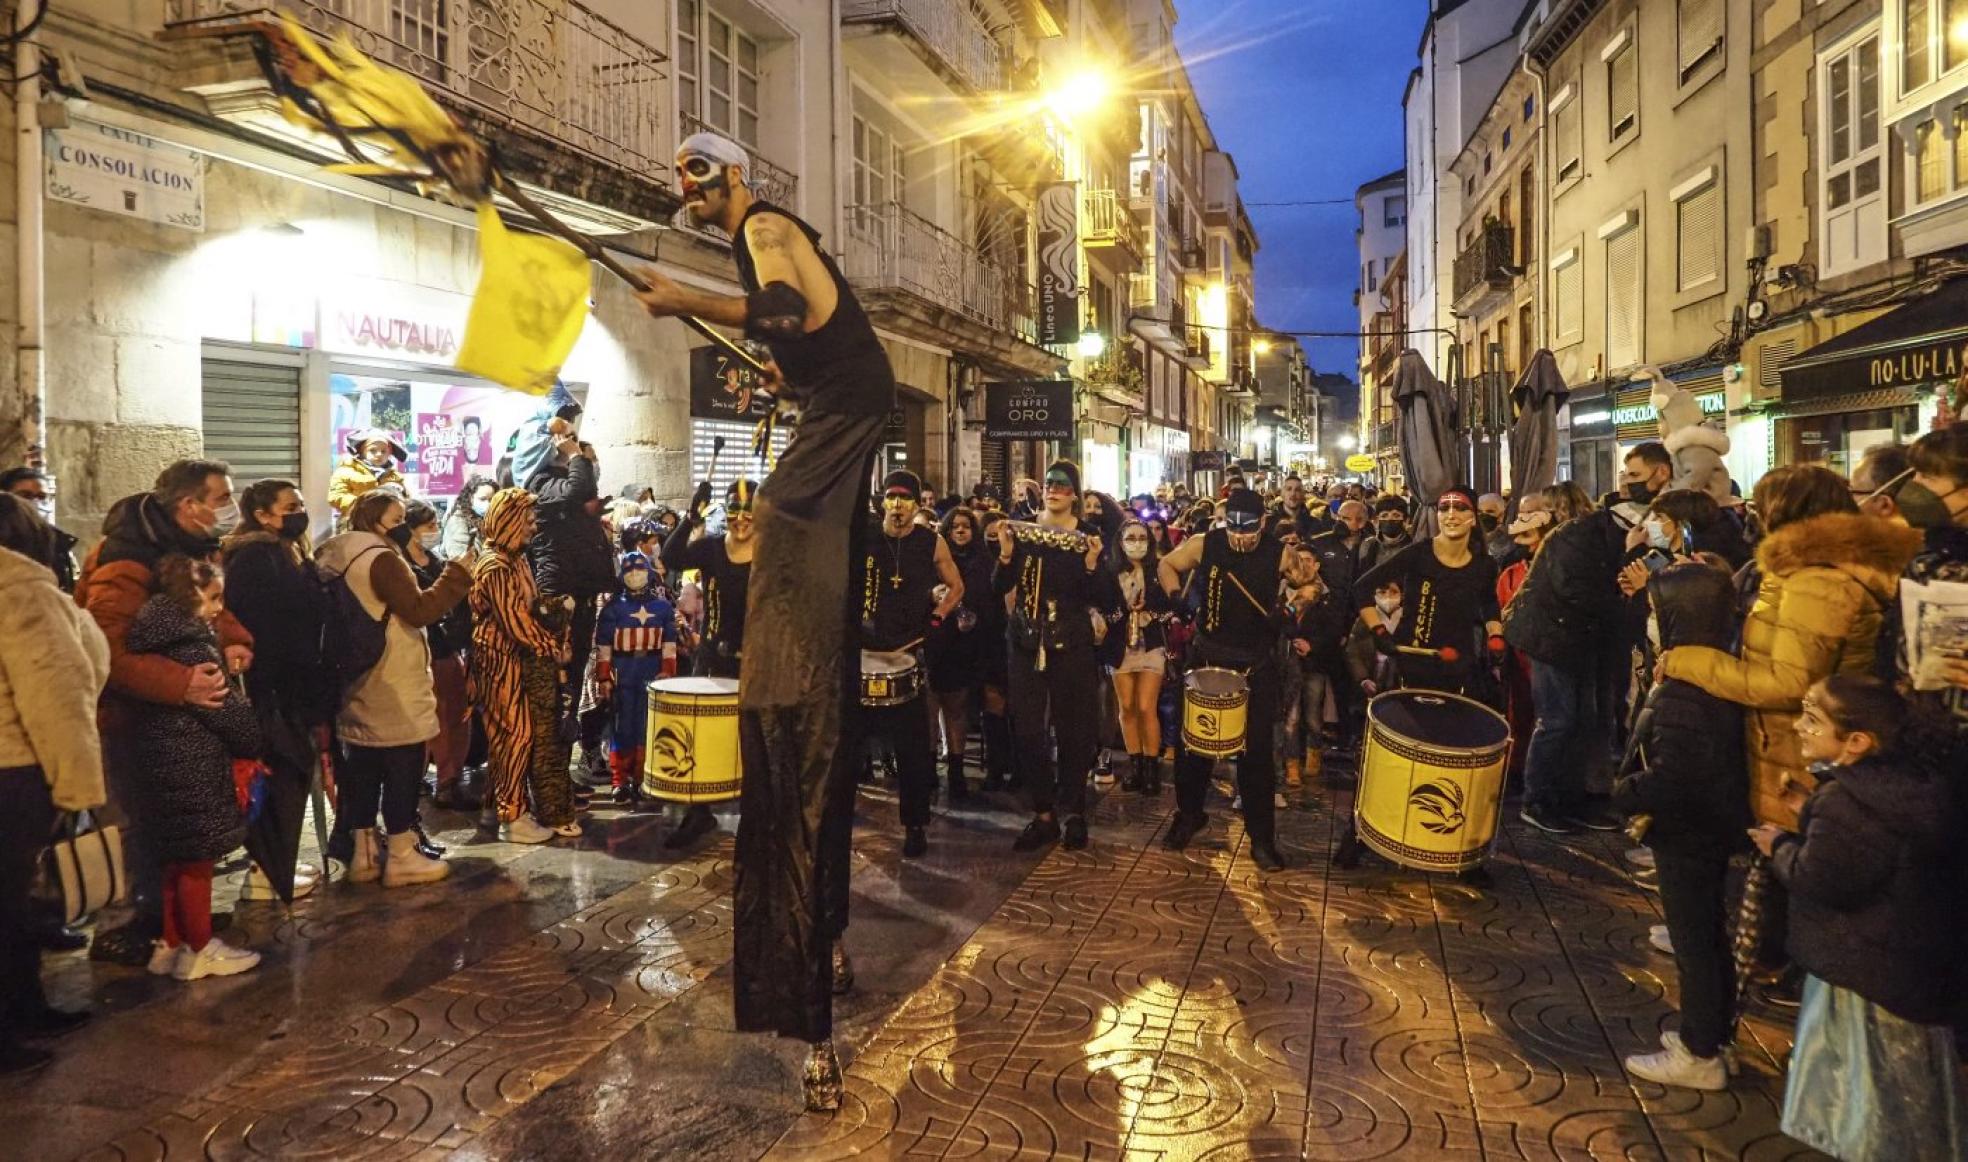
(1923,508)
(293,525)
(1640,493)
(1488,522)
(1391,530)
(401,535)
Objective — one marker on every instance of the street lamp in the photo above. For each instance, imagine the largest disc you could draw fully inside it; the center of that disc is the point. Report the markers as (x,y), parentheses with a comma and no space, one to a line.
(1347,441)
(1081,93)
(1092,345)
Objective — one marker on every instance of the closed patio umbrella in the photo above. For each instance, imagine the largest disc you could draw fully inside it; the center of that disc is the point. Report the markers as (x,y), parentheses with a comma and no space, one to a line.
(1425,433)
(1539,393)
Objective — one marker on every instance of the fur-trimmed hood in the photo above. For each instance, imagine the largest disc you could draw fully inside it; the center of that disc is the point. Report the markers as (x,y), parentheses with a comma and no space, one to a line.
(1874,550)
(1696,436)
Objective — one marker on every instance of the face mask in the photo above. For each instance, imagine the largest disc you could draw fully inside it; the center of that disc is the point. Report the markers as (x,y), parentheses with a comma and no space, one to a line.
(1922,507)
(226,518)
(481,507)
(46,507)
(1639,493)
(636,579)
(1488,522)
(1390,530)
(1387,605)
(293,525)
(1658,536)
(428,540)
(1135,550)
(401,535)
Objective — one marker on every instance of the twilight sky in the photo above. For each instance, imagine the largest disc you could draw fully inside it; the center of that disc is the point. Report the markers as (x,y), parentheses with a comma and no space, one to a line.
(1306,94)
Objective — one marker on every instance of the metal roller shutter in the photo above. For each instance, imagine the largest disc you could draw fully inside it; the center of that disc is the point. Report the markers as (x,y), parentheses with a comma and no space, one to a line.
(252,419)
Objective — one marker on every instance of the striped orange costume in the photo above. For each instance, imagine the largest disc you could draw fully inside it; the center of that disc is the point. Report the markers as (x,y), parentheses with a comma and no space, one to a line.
(505,634)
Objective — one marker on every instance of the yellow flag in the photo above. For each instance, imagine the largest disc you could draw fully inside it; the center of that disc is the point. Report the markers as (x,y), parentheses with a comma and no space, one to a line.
(532,299)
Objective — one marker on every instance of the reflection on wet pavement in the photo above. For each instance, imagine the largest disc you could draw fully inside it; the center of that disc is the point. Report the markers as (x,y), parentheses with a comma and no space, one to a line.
(1120,1002)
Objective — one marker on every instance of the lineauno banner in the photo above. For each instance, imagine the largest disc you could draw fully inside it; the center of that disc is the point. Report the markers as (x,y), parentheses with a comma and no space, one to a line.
(1059,262)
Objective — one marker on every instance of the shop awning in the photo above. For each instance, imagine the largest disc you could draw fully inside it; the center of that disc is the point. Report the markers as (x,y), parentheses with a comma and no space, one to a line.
(1923,341)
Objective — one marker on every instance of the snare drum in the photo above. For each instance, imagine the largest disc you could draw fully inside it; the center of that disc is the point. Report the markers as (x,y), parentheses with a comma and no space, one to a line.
(1215,711)
(889,679)
(692,754)
(1431,779)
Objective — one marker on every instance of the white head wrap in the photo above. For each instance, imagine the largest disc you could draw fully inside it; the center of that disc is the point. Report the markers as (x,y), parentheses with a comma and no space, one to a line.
(719,149)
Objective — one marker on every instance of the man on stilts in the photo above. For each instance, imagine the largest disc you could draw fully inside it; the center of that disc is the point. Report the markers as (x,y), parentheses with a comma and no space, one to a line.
(799,676)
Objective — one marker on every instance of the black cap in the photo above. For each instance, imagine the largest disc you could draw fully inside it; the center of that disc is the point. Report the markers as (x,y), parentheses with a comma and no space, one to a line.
(1064,468)
(1245,501)
(904,481)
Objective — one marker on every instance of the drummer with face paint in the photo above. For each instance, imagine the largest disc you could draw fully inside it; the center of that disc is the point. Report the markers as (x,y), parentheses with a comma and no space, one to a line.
(1239,568)
(902,564)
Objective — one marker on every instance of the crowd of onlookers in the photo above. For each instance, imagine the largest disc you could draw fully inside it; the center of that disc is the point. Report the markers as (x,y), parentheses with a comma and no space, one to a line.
(1757,688)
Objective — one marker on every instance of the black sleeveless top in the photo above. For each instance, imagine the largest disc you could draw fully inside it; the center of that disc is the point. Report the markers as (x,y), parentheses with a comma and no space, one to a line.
(897,577)
(1228,617)
(840,369)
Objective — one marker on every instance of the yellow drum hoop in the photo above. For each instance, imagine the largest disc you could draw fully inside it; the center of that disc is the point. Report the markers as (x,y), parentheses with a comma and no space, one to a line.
(724,707)
(1422,750)
(1408,854)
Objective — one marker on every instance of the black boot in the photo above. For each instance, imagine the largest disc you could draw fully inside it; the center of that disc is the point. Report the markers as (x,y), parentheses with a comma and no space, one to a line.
(959,788)
(1132,781)
(1151,779)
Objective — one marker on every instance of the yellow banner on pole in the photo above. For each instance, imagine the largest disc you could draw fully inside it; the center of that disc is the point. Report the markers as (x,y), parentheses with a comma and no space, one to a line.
(531,301)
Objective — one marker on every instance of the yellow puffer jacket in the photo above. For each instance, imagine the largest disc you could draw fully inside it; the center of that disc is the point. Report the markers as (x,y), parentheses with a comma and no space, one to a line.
(353,478)
(1827,582)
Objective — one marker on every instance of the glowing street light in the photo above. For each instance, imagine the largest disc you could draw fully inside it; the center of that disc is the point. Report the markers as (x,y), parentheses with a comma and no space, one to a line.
(1092,345)
(1080,94)
(1347,441)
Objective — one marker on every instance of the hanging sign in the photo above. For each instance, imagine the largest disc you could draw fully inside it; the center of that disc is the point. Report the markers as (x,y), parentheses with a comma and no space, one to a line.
(1059,262)
(716,383)
(1029,409)
(1361,462)
(120,172)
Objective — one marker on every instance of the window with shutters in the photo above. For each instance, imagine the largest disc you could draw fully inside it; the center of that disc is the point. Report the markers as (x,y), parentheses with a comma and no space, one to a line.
(1567,299)
(1624,308)
(1567,137)
(251,419)
(1622,91)
(1930,161)
(1851,151)
(1698,28)
(1698,234)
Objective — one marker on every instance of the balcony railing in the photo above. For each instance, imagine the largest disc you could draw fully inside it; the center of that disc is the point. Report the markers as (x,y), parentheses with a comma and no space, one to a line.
(769,182)
(1486,261)
(1107,219)
(945,29)
(550,67)
(891,248)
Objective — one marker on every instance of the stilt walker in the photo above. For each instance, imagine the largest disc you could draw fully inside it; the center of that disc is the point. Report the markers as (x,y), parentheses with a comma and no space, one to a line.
(799,676)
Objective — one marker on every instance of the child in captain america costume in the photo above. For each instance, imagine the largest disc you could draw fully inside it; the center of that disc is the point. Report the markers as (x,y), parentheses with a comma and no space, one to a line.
(635,642)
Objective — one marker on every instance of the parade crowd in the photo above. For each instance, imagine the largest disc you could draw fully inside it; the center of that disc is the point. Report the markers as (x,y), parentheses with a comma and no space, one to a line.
(1734,681)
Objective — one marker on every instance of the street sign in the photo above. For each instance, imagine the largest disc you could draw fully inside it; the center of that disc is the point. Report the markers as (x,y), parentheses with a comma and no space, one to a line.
(1361,462)
(1208,461)
(120,172)
(1029,409)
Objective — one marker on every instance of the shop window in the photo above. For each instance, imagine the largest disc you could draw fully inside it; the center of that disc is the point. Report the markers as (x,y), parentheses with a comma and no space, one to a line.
(1622,89)
(1699,27)
(1698,235)
(1852,209)
(1624,308)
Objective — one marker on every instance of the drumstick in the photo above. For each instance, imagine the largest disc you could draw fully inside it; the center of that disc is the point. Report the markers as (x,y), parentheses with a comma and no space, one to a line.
(717,445)
(1446,653)
(907,646)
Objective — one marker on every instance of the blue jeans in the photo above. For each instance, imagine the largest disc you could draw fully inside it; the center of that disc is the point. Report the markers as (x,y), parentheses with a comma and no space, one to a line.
(1562,745)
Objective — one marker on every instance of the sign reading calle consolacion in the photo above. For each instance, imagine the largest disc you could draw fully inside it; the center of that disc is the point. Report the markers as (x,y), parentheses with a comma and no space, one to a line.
(1058,213)
(1029,409)
(120,172)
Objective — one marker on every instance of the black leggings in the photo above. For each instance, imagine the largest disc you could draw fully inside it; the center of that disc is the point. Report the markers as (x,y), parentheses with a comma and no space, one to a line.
(389,774)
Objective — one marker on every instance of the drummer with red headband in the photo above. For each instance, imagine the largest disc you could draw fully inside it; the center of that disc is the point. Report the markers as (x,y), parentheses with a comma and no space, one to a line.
(1450,618)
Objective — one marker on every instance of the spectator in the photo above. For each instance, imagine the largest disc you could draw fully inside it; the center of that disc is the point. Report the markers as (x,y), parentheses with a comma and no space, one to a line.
(1491,509)
(1391,531)
(1344,554)
(371,463)
(1527,533)
(1873,873)
(53,663)
(464,524)
(448,637)
(182,515)
(272,588)
(1294,513)
(37,488)
(388,715)
(1935,500)
(1690,790)
(1312,661)
(185,791)
(1876,482)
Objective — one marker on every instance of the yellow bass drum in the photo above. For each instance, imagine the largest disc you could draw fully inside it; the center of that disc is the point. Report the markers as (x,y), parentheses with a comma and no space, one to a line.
(1431,779)
(692,752)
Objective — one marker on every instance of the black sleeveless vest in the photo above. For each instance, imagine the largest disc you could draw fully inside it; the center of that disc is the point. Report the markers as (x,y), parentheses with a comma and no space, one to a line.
(897,577)
(840,369)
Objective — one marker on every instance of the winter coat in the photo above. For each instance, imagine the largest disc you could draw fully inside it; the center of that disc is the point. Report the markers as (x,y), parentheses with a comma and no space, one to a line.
(1340,565)
(1569,597)
(185,799)
(394,704)
(117,578)
(1365,663)
(276,595)
(1874,875)
(1322,624)
(53,663)
(570,553)
(1690,775)
(1828,582)
(353,478)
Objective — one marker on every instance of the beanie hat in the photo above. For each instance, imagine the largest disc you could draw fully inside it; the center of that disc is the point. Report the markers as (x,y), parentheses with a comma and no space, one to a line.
(1067,469)
(1243,500)
(903,480)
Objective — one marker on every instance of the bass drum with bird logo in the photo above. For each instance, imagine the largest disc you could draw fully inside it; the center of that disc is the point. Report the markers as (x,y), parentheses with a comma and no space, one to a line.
(692,754)
(1431,779)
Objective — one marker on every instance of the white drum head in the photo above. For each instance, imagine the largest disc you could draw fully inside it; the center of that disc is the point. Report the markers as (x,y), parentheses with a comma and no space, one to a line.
(695,687)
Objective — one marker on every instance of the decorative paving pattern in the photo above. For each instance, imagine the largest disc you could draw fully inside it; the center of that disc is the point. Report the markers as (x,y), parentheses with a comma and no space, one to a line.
(1128,1002)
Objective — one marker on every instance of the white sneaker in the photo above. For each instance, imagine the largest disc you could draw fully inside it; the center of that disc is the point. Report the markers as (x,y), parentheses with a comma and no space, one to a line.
(163,958)
(525,829)
(1658,937)
(255,887)
(570,830)
(1674,1065)
(363,867)
(1640,856)
(217,958)
(406,865)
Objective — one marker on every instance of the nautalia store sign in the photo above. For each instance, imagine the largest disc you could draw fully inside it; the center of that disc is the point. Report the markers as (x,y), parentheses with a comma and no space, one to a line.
(120,172)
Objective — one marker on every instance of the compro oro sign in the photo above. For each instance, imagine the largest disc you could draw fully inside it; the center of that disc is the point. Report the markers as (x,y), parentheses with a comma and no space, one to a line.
(120,172)
(1030,409)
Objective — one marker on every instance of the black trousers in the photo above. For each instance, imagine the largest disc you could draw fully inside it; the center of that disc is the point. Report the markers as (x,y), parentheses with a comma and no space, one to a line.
(1056,704)
(1257,767)
(27,816)
(906,728)
(387,775)
(1693,894)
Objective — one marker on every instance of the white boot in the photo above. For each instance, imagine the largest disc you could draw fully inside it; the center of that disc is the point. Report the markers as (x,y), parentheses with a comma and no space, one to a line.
(407,865)
(363,867)
(1674,1065)
(525,829)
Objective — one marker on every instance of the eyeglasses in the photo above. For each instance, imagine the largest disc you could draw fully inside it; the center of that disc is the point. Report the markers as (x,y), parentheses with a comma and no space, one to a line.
(1453,504)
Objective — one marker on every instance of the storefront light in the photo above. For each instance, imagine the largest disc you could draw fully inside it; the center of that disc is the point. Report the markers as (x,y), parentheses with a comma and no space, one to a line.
(1092,345)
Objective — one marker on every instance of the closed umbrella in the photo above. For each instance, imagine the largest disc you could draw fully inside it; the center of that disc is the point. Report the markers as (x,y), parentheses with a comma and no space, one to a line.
(1539,393)
(1425,435)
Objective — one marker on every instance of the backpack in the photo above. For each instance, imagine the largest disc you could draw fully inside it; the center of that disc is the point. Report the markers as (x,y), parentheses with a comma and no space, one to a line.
(352,642)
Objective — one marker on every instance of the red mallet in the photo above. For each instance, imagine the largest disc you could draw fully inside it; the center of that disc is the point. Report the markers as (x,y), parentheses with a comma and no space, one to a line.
(1448,654)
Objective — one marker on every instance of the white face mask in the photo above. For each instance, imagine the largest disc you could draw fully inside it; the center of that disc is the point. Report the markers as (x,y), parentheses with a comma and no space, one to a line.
(227,517)
(1388,606)
(46,507)
(636,579)
(1136,550)
(429,540)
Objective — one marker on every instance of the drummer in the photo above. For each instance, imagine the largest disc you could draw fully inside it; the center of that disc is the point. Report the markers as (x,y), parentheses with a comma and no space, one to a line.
(1237,628)
(724,568)
(1448,587)
(901,567)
